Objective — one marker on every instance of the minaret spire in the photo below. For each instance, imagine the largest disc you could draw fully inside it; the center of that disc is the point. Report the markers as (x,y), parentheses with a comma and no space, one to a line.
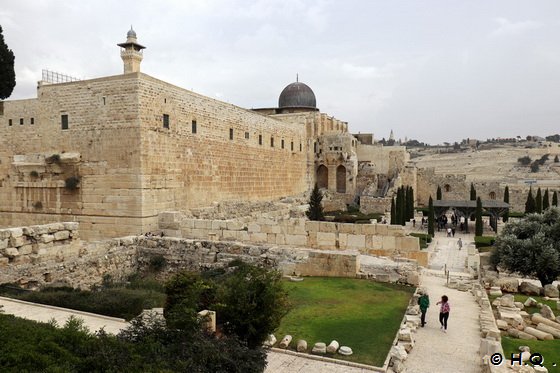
(131,53)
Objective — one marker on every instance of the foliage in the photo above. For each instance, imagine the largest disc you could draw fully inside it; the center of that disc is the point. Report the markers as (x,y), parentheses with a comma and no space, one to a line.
(535,166)
(438,193)
(37,205)
(71,183)
(315,211)
(556,160)
(355,218)
(525,161)
(34,174)
(249,301)
(482,241)
(352,310)
(157,263)
(410,203)
(393,212)
(505,218)
(538,202)
(55,158)
(531,247)
(431,217)
(478,217)
(550,350)
(555,199)
(473,193)
(543,159)
(7,72)
(425,239)
(545,200)
(530,205)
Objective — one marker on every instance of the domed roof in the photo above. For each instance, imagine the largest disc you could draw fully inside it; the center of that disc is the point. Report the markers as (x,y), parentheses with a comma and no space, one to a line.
(297,94)
(131,33)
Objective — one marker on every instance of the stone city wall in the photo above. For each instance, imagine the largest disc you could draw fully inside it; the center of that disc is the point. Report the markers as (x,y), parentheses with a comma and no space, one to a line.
(379,205)
(378,239)
(130,167)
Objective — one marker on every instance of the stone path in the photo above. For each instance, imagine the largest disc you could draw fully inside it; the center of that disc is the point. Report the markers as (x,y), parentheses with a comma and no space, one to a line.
(279,362)
(43,313)
(457,350)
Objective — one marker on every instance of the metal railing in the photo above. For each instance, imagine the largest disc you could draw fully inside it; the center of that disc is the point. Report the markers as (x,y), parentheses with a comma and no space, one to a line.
(54,77)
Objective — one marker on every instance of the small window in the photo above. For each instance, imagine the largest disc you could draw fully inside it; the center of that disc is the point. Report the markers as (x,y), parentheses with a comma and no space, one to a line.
(193,126)
(260,139)
(1,107)
(32,121)
(21,121)
(282,143)
(272,142)
(292,146)
(9,122)
(104,101)
(247,135)
(300,146)
(64,121)
(315,147)
(165,101)
(492,195)
(447,188)
(231,133)
(165,120)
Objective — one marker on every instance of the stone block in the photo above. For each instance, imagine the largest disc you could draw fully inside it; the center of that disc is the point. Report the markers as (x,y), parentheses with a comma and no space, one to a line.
(543,336)
(345,351)
(61,235)
(301,345)
(547,313)
(234,225)
(202,224)
(320,348)
(296,239)
(507,301)
(4,262)
(327,227)
(254,228)
(369,229)
(17,241)
(356,241)
(4,243)
(551,291)
(509,285)
(285,342)
(389,243)
(312,226)
(25,249)
(46,238)
(258,237)
(528,288)
(71,226)
(270,340)
(15,232)
(333,347)
(187,224)
(326,239)
(11,252)
(54,227)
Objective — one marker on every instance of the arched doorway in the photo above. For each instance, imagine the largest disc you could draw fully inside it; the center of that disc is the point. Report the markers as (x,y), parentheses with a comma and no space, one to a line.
(341,179)
(322,177)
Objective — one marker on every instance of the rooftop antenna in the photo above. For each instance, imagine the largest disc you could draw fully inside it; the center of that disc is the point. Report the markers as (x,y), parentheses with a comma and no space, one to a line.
(297,77)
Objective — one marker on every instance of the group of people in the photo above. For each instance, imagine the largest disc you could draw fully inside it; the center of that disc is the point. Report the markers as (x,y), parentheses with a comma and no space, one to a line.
(424,303)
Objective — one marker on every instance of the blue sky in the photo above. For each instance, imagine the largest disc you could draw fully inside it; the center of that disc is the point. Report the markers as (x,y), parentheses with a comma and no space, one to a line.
(431,70)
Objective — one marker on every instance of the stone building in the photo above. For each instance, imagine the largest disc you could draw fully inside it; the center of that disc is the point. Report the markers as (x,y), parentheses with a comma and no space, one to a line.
(113,152)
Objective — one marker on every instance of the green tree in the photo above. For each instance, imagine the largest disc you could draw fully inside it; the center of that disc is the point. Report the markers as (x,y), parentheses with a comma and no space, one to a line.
(431,216)
(506,200)
(393,212)
(478,213)
(473,193)
(530,206)
(7,72)
(555,199)
(438,193)
(538,202)
(403,206)
(531,247)
(315,210)
(252,302)
(545,200)
(410,204)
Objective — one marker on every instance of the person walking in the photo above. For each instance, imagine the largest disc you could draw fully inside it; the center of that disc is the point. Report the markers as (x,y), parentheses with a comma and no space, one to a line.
(460,244)
(444,312)
(424,303)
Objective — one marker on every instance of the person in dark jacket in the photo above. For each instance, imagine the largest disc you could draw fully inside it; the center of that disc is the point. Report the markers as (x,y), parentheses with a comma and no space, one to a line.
(424,303)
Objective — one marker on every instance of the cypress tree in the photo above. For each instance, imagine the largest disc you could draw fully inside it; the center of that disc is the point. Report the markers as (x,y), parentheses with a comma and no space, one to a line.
(545,200)
(506,200)
(538,202)
(555,199)
(410,203)
(393,212)
(478,213)
(530,203)
(7,72)
(398,209)
(438,193)
(431,216)
(473,193)
(315,211)
(402,207)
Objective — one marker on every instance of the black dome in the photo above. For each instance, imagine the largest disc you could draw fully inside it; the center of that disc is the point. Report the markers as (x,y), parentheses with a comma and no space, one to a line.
(297,94)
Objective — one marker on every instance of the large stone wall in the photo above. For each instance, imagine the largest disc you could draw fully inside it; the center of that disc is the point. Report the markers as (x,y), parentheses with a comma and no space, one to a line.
(378,239)
(130,167)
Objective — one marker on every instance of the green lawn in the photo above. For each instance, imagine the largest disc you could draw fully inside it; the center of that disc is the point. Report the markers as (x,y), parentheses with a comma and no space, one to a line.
(550,350)
(361,314)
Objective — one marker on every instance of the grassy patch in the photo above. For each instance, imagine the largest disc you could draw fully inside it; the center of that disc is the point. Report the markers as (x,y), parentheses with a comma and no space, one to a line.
(361,314)
(550,350)
(353,216)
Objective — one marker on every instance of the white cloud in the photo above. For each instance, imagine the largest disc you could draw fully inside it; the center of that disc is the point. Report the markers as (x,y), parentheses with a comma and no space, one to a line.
(507,27)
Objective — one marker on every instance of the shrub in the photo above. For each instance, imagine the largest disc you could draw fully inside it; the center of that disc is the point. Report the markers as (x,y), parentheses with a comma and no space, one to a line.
(425,239)
(535,166)
(34,174)
(482,241)
(157,263)
(55,158)
(71,183)
(525,161)
(37,205)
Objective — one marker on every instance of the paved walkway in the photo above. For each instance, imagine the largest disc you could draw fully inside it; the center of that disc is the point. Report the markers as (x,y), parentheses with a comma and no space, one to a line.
(279,362)
(457,350)
(43,313)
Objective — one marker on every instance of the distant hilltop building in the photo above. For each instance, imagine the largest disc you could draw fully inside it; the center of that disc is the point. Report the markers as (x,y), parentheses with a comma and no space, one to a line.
(113,152)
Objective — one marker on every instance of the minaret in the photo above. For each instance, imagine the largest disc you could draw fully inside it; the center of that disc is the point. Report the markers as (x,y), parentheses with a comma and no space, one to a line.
(131,53)
(391,136)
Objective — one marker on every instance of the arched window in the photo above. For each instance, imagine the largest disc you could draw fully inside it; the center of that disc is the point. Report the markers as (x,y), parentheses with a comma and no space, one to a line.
(492,195)
(322,177)
(341,179)
(447,188)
